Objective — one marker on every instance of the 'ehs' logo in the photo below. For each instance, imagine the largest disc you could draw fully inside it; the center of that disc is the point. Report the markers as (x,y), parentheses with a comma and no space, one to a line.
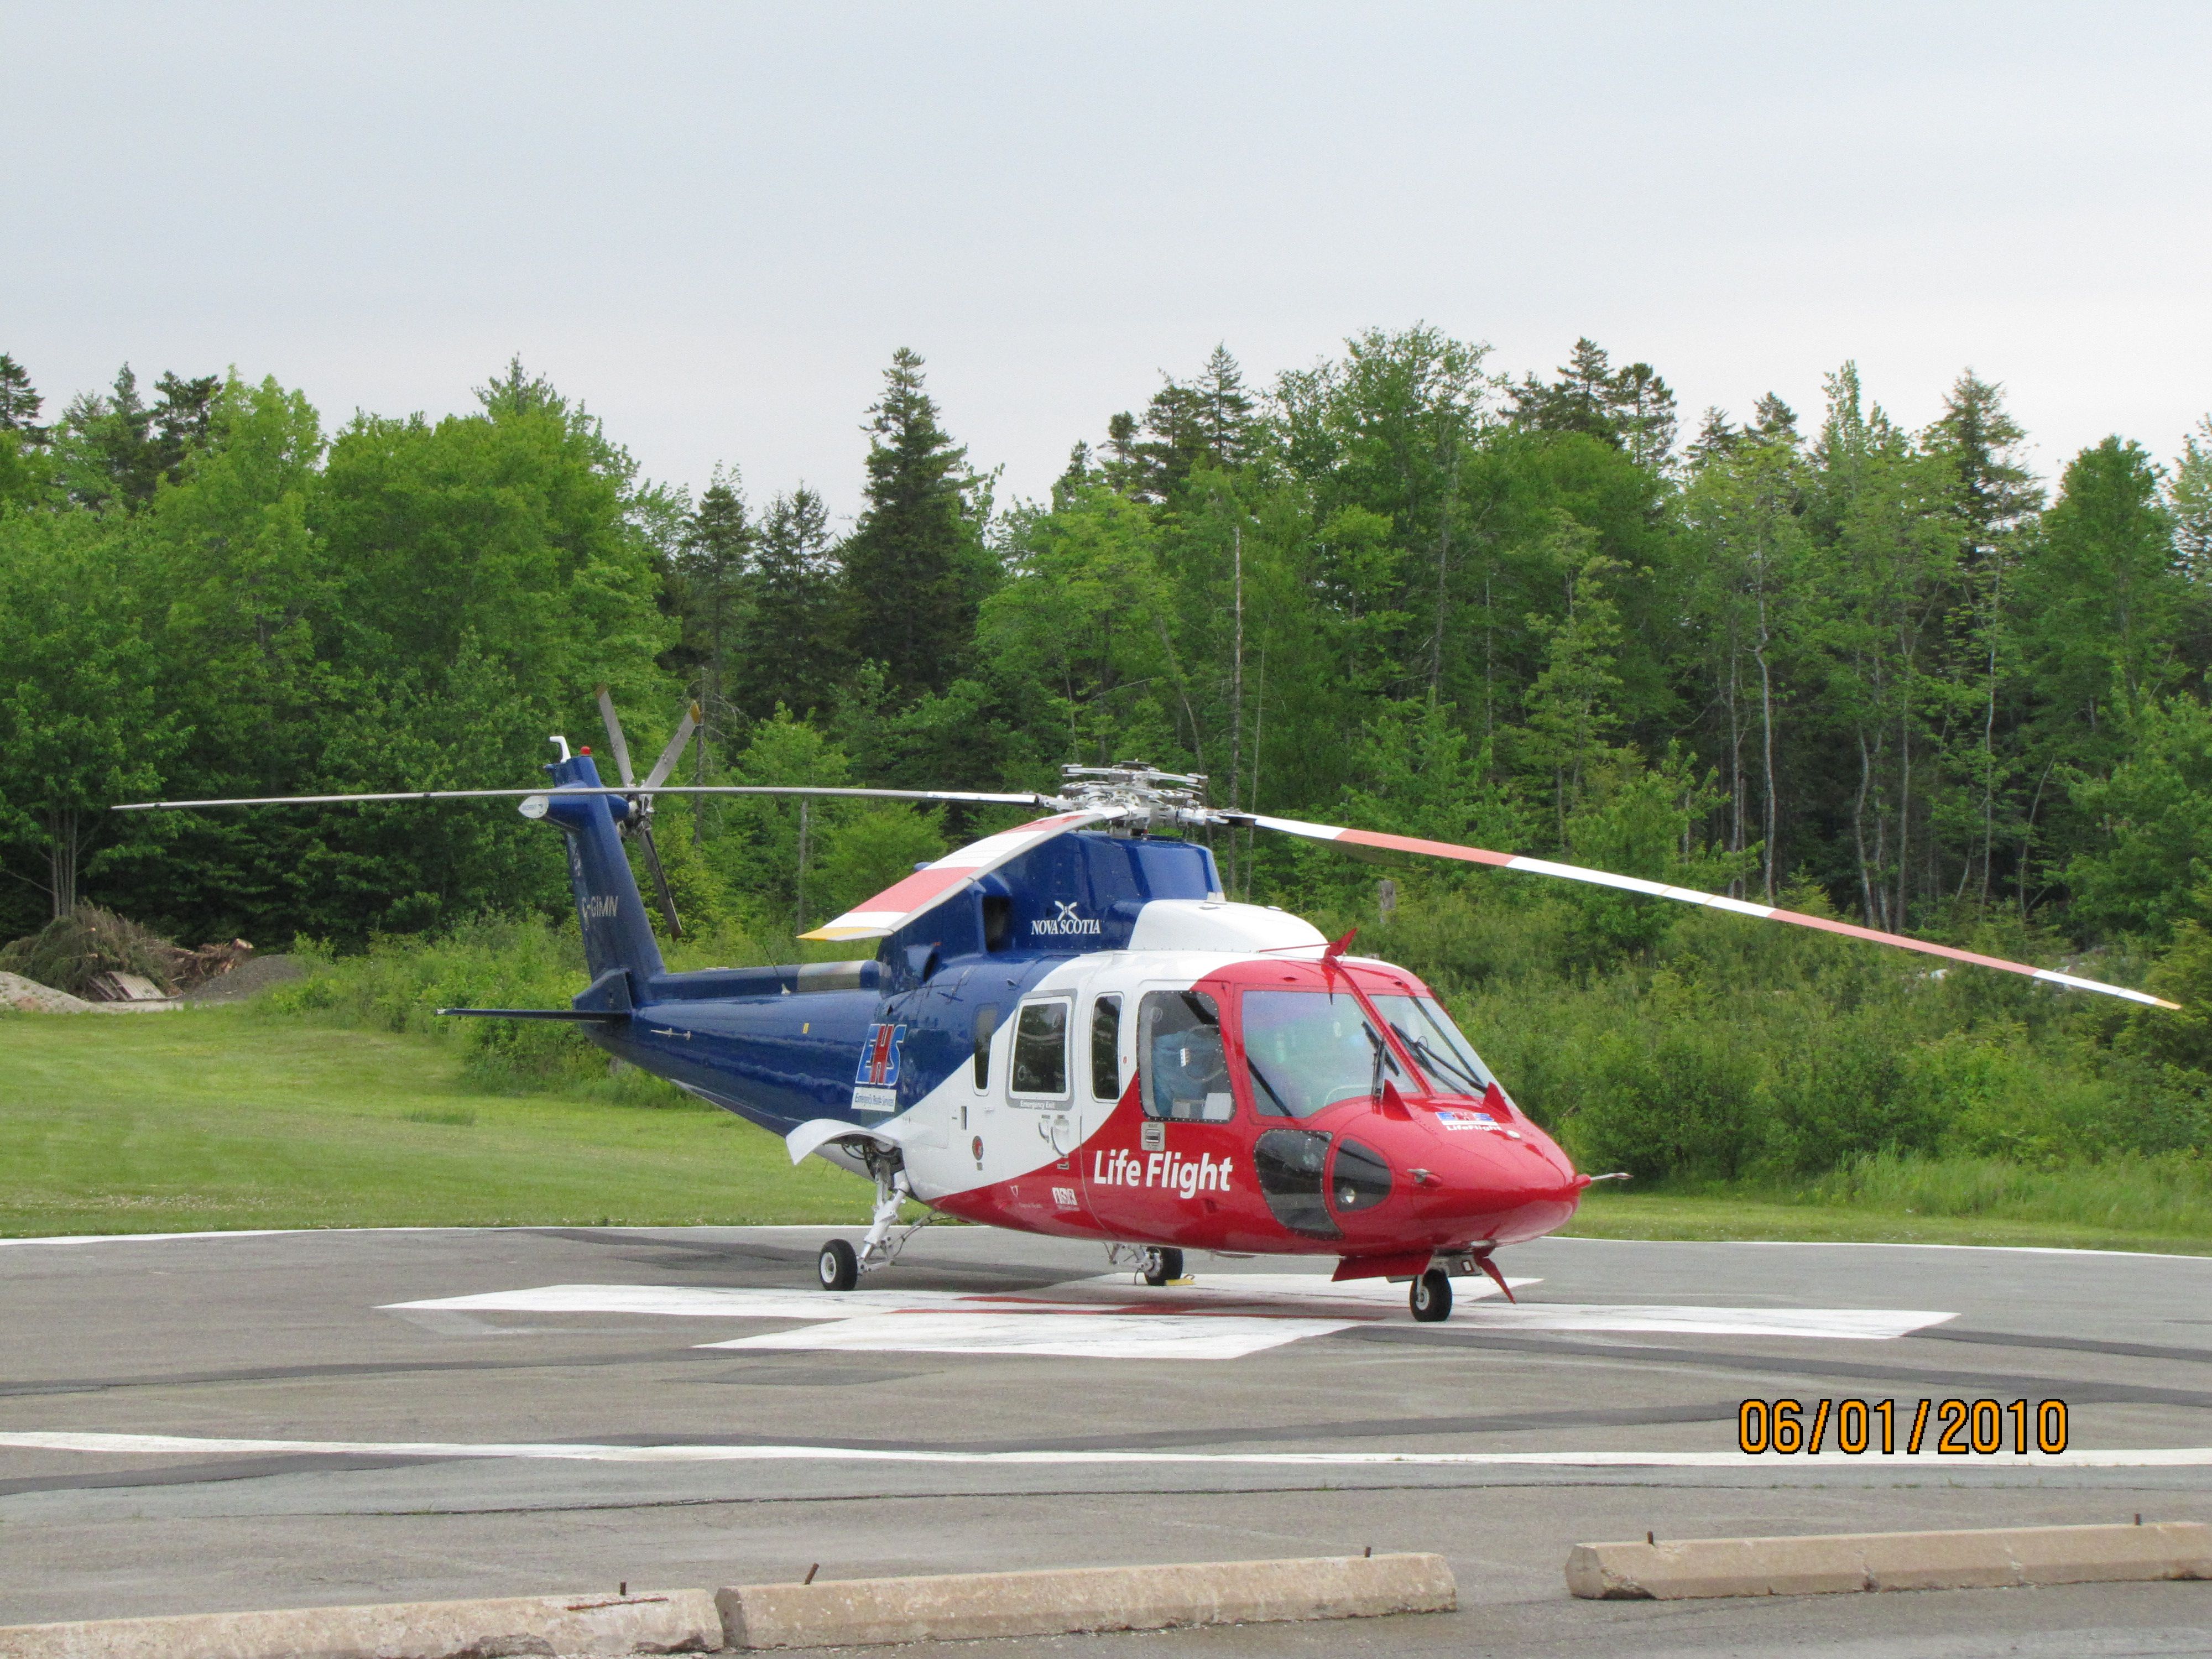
(1065,923)
(879,1056)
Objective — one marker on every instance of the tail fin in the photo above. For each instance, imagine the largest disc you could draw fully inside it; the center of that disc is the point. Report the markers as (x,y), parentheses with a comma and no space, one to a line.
(617,934)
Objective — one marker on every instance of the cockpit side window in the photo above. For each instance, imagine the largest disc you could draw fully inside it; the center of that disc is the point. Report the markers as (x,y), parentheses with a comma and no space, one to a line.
(1106,1048)
(1179,1058)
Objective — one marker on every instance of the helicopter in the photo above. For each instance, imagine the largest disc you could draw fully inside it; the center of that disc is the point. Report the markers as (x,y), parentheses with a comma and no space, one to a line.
(1068,1027)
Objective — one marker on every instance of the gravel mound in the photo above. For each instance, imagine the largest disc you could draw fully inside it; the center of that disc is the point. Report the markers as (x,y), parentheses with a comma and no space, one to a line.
(250,978)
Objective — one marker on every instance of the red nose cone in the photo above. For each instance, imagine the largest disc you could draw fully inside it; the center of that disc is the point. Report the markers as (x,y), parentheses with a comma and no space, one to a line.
(1458,1174)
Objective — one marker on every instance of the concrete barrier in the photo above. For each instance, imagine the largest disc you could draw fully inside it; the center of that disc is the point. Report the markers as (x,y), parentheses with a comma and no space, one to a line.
(678,1621)
(857,1611)
(1999,1556)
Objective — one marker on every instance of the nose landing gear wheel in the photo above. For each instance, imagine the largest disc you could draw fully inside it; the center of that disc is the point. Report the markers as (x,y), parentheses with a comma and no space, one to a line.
(1430,1296)
(839,1267)
(1162,1266)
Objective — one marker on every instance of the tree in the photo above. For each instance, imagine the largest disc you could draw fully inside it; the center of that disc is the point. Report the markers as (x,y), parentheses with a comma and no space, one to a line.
(1570,706)
(1885,558)
(712,574)
(81,722)
(1994,496)
(1743,506)
(1208,421)
(20,402)
(2110,617)
(117,449)
(792,650)
(2189,499)
(914,567)
(1632,408)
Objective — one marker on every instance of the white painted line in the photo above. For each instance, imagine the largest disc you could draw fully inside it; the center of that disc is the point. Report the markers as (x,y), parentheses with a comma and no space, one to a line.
(173,1445)
(1074,1335)
(1073,1318)
(1847,1324)
(695,1302)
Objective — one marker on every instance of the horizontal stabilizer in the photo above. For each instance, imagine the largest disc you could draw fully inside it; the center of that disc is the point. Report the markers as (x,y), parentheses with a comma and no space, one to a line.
(931,886)
(601,1016)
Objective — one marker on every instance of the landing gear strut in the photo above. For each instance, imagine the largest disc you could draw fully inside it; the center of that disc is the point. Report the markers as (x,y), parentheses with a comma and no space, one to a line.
(1430,1297)
(840,1266)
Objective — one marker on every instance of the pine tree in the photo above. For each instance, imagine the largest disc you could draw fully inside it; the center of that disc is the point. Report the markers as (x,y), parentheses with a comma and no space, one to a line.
(710,580)
(18,401)
(913,563)
(1642,406)
(183,417)
(1580,400)
(1719,437)
(1774,421)
(1994,496)
(791,657)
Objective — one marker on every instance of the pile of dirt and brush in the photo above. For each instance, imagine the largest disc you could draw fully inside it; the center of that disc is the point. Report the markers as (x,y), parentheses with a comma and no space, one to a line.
(94,957)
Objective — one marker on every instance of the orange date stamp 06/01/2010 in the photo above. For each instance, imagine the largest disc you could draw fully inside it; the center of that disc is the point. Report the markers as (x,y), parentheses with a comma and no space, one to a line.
(1942,1428)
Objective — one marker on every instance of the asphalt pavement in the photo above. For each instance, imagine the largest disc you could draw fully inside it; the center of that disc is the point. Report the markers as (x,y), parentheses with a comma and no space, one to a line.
(198,1423)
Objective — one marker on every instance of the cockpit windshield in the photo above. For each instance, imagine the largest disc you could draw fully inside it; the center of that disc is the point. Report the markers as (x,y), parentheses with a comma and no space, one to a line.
(1429,1036)
(1308,1050)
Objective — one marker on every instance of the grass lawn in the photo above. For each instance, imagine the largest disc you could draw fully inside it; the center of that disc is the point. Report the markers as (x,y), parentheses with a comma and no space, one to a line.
(225,1117)
(1609,1213)
(228,1117)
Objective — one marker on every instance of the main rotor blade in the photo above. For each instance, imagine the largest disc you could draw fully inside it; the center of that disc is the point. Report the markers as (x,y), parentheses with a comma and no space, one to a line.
(931,886)
(660,881)
(972,797)
(621,744)
(1357,841)
(670,755)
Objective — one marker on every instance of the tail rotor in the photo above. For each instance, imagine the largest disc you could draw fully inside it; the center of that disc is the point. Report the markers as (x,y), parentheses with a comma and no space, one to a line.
(640,816)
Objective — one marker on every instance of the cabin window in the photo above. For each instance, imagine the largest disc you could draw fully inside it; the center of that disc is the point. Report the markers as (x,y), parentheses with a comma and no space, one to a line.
(1041,1049)
(987,1027)
(1106,1048)
(1308,1050)
(998,921)
(1180,1058)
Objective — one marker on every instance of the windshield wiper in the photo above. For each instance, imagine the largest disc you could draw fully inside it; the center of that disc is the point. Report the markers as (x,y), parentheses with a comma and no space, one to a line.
(1430,1056)
(1260,1077)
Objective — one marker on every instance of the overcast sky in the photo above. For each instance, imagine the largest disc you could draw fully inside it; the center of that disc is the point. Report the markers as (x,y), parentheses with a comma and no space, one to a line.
(714,222)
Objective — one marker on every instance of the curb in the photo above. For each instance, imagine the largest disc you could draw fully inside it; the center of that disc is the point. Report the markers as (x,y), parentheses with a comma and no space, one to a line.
(2001,1557)
(964,1606)
(852,1612)
(679,1621)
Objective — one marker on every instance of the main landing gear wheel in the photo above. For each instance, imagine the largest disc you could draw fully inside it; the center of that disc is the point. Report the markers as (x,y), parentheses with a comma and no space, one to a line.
(1430,1296)
(1162,1266)
(839,1267)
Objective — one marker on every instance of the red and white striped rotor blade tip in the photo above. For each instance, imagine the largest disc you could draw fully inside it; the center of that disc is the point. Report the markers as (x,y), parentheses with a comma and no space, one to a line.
(931,886)
(1378,841)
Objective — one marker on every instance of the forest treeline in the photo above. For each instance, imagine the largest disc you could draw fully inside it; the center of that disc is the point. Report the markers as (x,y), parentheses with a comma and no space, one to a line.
(1813,656)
